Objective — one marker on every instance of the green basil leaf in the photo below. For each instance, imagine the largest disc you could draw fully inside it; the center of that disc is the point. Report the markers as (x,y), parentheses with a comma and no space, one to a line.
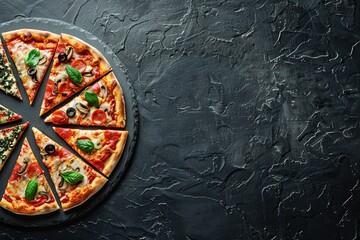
(31,190)
(32,58)
(72,177)
(74,75)
(91,98)
(85,145)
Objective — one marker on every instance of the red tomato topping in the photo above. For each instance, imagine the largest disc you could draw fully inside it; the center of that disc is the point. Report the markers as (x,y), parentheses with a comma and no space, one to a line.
(98,116)
(98,164)
(65,133)
(79,64)
(38,202)
(7,198)
(14,176)
(14,117)
(48,91)
(60,117)
(60,47)
(33,169)
(84,138)
(40,46)
(91,177)
(105,157)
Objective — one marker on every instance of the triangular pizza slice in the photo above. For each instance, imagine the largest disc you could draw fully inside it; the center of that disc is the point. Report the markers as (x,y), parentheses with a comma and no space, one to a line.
(8,140)
(6,115)
(101,148)
(101,104)
(32,51)
(27,191)
(74,180)
(76,65)
(7,80)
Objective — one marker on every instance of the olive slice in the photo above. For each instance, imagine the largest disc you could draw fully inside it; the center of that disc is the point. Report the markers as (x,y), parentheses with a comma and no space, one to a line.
(71,112)
(31,71)
(63,184)
(62,57)
(50,148)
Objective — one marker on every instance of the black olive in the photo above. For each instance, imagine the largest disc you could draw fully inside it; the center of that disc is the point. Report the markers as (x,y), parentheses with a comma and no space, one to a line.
(31,72)
(70,112)
(62,57)
(50,148)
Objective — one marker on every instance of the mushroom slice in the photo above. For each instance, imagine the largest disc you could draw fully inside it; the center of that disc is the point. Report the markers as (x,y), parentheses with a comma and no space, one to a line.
(97,143)
(63,184)
(88,72)
(43,193)
(23,167)
(69,52)
(103,90)
(60,78)
(42,60)
(105,106)
(83,108)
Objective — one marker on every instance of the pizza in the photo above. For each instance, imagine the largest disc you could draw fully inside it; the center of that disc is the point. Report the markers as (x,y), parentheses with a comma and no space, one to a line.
(8,140)
(101,104)
(7,80)
(76,65)
(101,148)
(27,191)
(6,115)
(74,180)
(32,51)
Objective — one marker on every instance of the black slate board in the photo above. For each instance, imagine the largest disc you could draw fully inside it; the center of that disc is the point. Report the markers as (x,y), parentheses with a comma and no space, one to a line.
(30,113)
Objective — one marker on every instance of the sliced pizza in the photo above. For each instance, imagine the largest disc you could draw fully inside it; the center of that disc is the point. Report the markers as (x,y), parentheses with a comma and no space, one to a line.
(27,191)
(76,65)
(75,181)
(8,140)
(6,115)
(7,80)
(101,148)
(32,51)
(101,104)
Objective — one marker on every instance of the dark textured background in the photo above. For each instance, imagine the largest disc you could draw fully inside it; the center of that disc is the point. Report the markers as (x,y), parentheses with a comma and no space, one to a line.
(249,118)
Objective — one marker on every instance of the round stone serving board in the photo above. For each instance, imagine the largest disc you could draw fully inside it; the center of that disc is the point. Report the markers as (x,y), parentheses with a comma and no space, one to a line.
(31,114)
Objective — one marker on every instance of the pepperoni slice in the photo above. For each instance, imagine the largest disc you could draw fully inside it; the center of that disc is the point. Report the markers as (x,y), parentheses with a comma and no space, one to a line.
(95,88)
(112,136)
(79,64)
(98,164)
(98,116)
(65,133)
(7,198)
(14,176)
(38,202)
(33,169)
(48,90)
(63,153)
(14,117)
(60,117)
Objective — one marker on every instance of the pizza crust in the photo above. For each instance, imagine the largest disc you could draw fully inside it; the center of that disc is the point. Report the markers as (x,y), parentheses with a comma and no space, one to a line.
(115,157)
(120,117)
(21,208)
(26,34)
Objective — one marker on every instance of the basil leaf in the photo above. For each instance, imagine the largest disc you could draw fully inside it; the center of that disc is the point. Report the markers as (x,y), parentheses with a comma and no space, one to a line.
(91,98)
(31,190)
(85,145)
(72,177)
(32,58)
(74,75)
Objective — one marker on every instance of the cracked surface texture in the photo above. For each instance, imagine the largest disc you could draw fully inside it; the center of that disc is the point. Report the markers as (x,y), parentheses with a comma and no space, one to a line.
(249,115)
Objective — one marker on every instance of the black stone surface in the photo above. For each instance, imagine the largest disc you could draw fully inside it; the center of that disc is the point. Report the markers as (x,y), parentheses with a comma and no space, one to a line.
(249,118)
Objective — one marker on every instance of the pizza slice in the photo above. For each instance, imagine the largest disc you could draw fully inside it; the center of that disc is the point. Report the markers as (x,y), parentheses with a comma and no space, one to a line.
(76,65)
(32,51)
(7,80)
(74,180)
(101,148)
(8,140)
(101,104)
(6,115)
(27,191)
